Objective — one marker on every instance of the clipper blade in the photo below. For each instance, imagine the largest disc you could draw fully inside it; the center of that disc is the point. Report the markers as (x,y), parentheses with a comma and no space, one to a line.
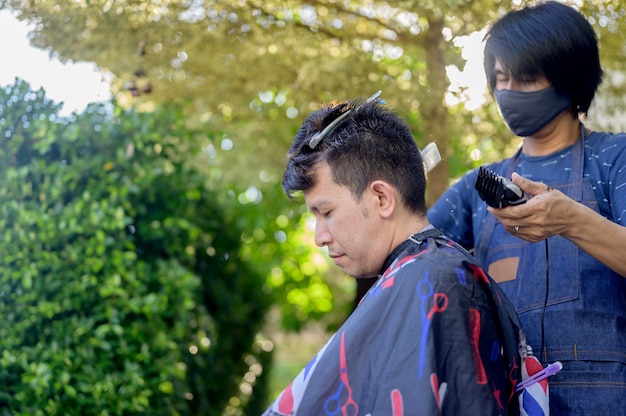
(497,191)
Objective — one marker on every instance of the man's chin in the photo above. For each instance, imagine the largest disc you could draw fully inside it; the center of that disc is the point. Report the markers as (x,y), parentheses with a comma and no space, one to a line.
(342,263)
(361,274)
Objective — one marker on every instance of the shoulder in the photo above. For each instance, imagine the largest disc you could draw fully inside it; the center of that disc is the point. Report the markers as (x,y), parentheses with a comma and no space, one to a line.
(605,157)
(606,145)
(441,258)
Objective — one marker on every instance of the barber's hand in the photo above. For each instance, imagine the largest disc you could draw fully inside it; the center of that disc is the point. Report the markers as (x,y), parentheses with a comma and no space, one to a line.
(544,214)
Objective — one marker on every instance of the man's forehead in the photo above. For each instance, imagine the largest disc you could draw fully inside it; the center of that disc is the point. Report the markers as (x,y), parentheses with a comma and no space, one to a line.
(326,192)
(321,196)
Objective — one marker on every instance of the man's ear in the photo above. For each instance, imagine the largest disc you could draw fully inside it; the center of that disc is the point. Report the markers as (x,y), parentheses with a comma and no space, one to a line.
(386,197)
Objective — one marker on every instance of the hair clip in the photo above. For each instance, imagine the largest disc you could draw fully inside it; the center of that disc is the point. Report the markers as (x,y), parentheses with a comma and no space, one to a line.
(318,137)
(372,98)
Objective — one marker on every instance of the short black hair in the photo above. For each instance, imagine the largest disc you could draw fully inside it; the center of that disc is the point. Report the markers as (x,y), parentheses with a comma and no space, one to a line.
(549,39)
(370,143)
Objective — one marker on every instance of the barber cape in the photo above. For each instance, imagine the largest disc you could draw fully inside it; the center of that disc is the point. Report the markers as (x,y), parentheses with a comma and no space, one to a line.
(433,336)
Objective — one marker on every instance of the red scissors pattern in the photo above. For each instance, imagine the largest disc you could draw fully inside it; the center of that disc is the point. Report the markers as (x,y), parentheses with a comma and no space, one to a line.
(387,279)
(336,404)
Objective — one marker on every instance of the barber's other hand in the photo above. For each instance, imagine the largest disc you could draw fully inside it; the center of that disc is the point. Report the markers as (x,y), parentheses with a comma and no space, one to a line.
(546,213)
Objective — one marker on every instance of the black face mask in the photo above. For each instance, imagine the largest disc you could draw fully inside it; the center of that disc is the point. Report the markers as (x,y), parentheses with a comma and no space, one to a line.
(528,112)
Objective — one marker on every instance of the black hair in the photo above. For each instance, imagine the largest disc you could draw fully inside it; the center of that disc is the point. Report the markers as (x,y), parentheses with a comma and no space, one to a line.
(549,39)
(370,143)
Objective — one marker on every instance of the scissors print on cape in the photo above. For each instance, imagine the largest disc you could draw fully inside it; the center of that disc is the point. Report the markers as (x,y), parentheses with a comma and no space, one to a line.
(333,405)
(425,291)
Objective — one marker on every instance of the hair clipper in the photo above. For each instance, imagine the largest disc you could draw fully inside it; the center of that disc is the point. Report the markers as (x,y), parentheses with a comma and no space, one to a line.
(497,191)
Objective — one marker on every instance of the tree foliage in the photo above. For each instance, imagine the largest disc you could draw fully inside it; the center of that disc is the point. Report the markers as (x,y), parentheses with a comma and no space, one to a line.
(241,61)
(125,287)
(254,67)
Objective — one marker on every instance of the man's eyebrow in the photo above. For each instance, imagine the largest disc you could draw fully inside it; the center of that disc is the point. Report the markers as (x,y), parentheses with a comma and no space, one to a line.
(319,205)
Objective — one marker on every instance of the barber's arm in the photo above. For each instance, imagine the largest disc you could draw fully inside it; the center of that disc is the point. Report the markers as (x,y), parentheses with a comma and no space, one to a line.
(550,212)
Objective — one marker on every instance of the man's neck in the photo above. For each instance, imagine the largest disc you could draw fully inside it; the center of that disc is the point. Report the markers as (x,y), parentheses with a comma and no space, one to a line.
(402,236)
(409,227)
(562,132)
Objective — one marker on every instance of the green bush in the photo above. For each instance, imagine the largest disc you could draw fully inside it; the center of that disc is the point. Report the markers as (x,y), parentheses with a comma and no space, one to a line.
(122,290)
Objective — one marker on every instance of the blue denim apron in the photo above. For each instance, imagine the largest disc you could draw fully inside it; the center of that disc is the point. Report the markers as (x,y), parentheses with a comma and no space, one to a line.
(585,310)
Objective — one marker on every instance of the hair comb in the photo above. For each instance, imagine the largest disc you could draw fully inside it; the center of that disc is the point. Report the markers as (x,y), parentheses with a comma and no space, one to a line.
(430,156)
(497,191)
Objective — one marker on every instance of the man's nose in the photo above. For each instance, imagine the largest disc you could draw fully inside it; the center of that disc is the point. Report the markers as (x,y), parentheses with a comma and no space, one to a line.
(322,235)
